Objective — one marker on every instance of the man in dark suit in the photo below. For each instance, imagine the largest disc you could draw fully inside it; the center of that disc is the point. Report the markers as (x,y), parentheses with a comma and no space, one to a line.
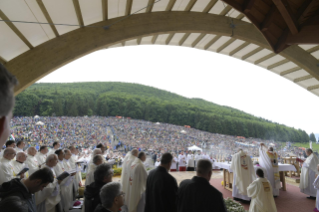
(197,194)
(161,188)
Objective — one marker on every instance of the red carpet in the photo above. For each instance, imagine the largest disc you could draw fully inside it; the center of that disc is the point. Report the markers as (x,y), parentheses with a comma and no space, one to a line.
(291,200)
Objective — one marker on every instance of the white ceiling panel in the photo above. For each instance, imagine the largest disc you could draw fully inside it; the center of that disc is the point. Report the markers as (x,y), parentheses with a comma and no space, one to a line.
(316,54)
(246,19)
(160,6)
(161,39)
(199,6)
(296,74)
(233,13)
(115,45)
(204,41)
(131,42)
(218,7)
(62,12)
(191,38)
(309,82)
(306,47)
(139,4)
(232,46)
(284,67)
(259,55)
(147,40)
(180,5)
(91,11)
(116,8)
(219,43)
(272,60)
(10,44)
(176,38)
(19,11)
(246,50)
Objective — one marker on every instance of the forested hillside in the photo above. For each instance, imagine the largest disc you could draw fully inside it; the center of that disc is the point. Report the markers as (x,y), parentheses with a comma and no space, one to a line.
(148,103)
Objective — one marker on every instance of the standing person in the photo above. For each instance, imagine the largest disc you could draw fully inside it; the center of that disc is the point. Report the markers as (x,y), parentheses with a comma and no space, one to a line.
(268,159)
(161,188)
(7,84)
(190,162)
(182,162)
(244,175)
(20,164)
(74,157)
(31,161)
(198,156)
(42,155)
(174,163)
(308,175)
(261,194)
(20,146)
(6,173)
(56,146)
(97,160)
(197,194)
(8,144)
(316,186)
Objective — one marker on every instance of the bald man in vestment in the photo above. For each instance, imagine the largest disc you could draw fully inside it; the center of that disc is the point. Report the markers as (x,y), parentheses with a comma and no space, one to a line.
(6,167)
(19,164)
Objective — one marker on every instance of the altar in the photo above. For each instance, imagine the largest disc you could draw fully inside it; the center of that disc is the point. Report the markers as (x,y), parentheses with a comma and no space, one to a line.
(228,173)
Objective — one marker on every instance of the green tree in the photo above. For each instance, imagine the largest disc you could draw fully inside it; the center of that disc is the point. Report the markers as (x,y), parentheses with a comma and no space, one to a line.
(312,137)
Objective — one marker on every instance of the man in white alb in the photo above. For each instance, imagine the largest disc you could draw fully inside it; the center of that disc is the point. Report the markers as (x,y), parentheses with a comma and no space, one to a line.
(198,156)
(190,161)
(174,163)
(75,166)
(8,144)
(56,146)
(308,175)
(31,161)
(244,174)
(261,194)
(6,167)
(19,163)
(20,146)
(42,155)
(182,162)
(268,159)
(97,160)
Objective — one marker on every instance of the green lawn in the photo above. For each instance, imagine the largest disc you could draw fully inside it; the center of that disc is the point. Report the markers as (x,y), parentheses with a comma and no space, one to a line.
(315,146)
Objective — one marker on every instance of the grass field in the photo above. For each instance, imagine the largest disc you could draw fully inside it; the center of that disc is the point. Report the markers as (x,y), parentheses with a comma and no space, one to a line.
(315,146)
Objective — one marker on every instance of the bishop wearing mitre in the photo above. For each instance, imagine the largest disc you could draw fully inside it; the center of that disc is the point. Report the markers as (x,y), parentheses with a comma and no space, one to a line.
(244,174)
(308,175)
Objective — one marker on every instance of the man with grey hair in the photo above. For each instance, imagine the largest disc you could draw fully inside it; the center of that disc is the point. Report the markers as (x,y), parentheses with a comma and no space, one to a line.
(6,167)
(97,160)
(112,198)
(7,83)
(19,164)
(32,161)
(102,175)
(193,194)
(308,175)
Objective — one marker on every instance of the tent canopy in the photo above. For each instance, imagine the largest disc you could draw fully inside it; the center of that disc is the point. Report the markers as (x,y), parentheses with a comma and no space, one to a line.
(39,123)
(195,148)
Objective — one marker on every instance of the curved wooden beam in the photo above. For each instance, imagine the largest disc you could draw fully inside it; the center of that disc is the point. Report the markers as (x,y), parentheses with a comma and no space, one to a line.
(47,57)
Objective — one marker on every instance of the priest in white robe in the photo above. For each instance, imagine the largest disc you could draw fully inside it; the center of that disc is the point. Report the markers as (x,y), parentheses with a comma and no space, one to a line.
(198,156)
(190,162)
(261,194)
(138,176)
(243,175)
(20,146)
(126,168)
(48,200)
(174,163)
(316,186)
(6,167)
(32,161)
(182,162)
(308,174)
(268,159)
(97,160)
(76,166)
(56,146)
(42,155)
(20,164)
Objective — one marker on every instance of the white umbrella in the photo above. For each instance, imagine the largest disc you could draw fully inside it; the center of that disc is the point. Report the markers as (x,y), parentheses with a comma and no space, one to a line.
(194,148)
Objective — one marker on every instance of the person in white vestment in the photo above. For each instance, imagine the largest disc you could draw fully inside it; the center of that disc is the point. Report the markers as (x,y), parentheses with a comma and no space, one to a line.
(32,161)
(56,146)
(198,156)
(243,175)
(126,168)
(42,155)
(158,162)
(8,82)
(174,163)
(268,159)
(182,162)
(102,147)
(97,160)
(261,194)
(75,166)
(48,200)
(137,181)
(308,174)
(8,144)
(20,146)
(190,162)
(20,164)
(6,167)
(316,186)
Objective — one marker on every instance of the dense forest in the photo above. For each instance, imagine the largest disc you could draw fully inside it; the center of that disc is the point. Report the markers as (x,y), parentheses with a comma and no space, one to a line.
(147,103)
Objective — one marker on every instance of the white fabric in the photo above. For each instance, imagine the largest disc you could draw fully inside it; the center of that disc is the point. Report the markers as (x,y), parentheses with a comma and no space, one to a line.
(138,177)
(32,163)
(52,151)
(90,174)
(244,171)
(17,167)
(174,163)
(190,160)
(181,160)
(157,163)
(316,186)
(194,148)
(6,173)
(264,161)
(129,158)
(310,178)
(282,167)
(18,150)
(198,157)
(78,176)
(261,199)
(309,165)
(41,158)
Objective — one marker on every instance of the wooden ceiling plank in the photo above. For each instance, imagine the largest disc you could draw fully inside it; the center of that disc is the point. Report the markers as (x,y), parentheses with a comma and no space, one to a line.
(252,53)
(238,48)
(128,8)
(314,87)
(278,64)
(170,5)
(181,42)
(264,58)
(78,12)
(225,10)
(248,4)
(305,8)
(105,9)
(47,16)
(240,16)
(289,71)
(313,49)
(15,29)
(209,6)
(150,7)
(139,40)
(222,47)
(299,79)
(287,15)
(210,43)
(123,43)
(169,38)
(190,5)
(198,39)
(269,19)
(154,39)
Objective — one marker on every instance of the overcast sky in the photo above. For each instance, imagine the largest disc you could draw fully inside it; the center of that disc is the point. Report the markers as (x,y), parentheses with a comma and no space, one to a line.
(202,74)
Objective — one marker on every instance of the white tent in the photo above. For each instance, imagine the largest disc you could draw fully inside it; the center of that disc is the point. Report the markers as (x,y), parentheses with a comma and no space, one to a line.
(157,123)
(183,131)
(36,116)
(195,148)
(39,123)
